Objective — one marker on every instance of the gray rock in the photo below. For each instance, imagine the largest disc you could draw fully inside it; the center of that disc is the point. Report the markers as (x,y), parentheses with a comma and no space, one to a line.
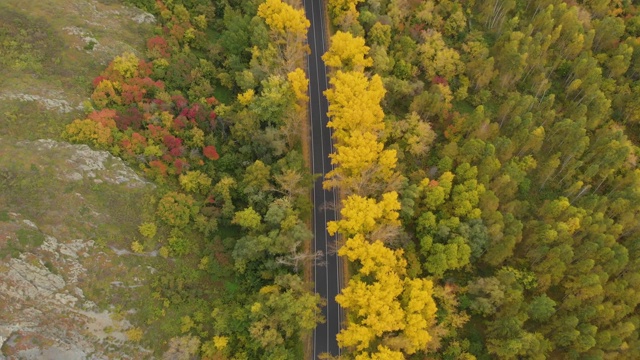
(60,105)
(86,163)
(144,18)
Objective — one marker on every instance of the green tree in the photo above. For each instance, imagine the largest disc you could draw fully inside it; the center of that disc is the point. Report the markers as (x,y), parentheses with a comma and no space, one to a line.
(281,313)
(177,209)
(541,308)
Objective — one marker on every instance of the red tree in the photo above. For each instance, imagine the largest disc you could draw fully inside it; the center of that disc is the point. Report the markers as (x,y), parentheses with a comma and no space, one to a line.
(210,152)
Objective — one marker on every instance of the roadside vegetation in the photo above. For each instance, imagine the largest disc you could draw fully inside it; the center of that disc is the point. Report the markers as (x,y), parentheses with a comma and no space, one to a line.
(514,126)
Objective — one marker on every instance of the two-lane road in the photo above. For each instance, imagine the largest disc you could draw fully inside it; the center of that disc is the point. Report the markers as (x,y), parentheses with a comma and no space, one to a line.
(326,269)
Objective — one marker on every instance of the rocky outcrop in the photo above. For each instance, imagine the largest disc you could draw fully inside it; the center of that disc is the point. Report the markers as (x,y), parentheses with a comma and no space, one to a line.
(86,163)
(45,313)
(45,262)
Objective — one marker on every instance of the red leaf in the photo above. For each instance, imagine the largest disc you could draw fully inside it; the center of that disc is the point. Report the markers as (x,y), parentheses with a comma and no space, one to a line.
(160,166)
(172,142)
(210,152)
(176,151)
(180,165)
(98,80)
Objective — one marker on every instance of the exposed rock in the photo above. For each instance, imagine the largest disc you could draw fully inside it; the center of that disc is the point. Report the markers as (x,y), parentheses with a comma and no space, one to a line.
(85,163)
(45,314)
(29,281)
(52,353)
(144,18)
(30,223)
(121,252)
(60,105)
(52,303)
(90,42)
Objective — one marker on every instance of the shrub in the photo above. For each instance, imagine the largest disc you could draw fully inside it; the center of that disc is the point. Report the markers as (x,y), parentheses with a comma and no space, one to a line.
(89,131)
(176,209)
(136,247)
(148,230)
(134,334)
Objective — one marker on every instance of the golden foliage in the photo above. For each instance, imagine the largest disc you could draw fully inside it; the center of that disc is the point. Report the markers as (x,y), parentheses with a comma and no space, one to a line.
(134,334)
(362,215)
(383,353)
(107,92)
(373,257)
(375,306)
(386,308)
(357,120)
(420,310)
(359,159)
(354,104)
(89,131)
(148,229)
(220,342)
(299,84)
(283,18)
(195,181)
(397,309)
(126,65)
(246,97)
(348,52)
(343,11)
(136,247)
(438,59)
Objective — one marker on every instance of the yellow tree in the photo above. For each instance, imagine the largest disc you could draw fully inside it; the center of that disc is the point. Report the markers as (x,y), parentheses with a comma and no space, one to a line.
(376,308)
(388,309)
(362,165)
(106,93)
(389,313)
(360,215)
(437,58)
(299,84)
(420,311)
(289,30)
(343,12)
(383,353)
(354,104)
(283,18)
(98,134)
(126,65)
(375,305)
(195,181)
(373,257)
(347,52)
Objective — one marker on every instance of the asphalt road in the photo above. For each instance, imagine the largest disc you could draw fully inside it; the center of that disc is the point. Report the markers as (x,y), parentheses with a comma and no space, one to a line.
(326,269)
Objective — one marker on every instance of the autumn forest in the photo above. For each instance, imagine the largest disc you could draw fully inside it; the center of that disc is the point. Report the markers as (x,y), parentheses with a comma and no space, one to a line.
(486,154)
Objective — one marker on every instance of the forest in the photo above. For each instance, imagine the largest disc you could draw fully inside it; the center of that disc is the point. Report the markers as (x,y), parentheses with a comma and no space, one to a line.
(485,153)
(212,114)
